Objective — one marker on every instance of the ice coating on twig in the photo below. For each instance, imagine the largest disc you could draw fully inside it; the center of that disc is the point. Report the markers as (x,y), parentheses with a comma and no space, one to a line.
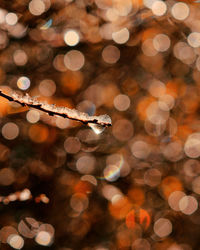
(52,109)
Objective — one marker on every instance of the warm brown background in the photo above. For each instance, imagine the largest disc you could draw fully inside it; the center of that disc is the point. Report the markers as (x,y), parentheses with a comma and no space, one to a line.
(134,186)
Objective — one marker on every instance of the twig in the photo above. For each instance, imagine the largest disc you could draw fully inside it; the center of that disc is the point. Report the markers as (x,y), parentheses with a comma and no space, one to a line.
(73,114)
(23,195)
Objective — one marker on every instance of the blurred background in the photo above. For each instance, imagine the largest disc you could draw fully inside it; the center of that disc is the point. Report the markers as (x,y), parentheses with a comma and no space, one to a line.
(135,185)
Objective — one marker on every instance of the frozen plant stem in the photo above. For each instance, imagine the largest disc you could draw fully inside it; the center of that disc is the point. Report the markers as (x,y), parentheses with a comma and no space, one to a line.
(73,114)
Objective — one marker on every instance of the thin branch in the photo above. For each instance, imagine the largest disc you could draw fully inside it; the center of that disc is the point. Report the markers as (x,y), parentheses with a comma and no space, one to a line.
(23,195)
(51,109)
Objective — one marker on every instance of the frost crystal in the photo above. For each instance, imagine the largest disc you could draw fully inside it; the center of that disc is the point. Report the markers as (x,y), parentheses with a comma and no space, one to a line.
(97,123)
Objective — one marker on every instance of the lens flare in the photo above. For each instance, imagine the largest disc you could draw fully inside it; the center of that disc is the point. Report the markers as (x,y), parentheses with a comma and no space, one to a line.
(47,25)
(112,171)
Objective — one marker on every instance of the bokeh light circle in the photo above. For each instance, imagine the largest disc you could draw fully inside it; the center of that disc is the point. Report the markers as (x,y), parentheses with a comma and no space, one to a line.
(159,8)
(188,204)
(10,131)
(15,241)
(71,37)
(122,102)
(43,238)
(194,39)
(33,116)
(180,11)
(111,54)
(20,57)
(161,42)
(11,18)
(162,227)
(36,7)
(121,36)
(140,149)
(174,199)
(74,60)
(23,83)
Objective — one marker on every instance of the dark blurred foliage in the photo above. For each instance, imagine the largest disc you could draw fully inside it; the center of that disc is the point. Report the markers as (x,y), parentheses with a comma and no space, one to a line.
(135,185)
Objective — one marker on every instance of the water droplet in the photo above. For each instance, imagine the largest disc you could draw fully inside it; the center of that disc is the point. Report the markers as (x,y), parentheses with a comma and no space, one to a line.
(98,129)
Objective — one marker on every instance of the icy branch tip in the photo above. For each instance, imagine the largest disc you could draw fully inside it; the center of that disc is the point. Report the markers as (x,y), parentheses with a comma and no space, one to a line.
(51,109)
(105,119)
